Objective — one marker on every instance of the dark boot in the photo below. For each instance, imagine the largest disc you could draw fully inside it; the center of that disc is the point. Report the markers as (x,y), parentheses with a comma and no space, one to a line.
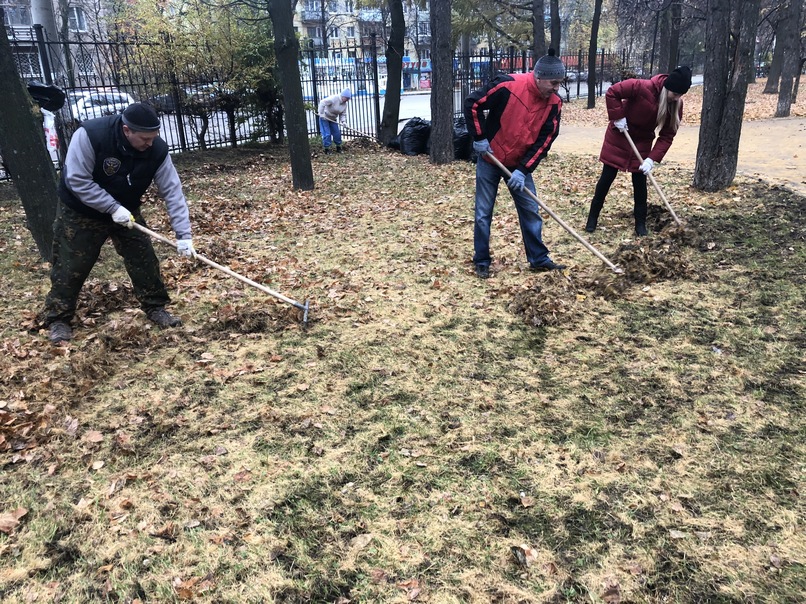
(60,332)
(327,150)
(163,318)
(338,148)
(640,213)
(593,215)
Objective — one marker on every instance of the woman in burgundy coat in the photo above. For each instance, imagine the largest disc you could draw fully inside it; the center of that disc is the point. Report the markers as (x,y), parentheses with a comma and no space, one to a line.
(640,107)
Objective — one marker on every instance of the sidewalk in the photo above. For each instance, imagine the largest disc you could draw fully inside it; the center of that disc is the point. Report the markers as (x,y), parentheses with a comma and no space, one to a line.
(773,150)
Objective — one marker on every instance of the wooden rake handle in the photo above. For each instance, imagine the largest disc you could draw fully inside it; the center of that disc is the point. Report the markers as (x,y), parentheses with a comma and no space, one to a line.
(559,220)
(230,272)
(652,179)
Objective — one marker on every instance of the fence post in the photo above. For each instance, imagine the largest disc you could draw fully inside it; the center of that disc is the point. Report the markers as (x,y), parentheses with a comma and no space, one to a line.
(314,83)
(377,95)
(601,70)
(44,55)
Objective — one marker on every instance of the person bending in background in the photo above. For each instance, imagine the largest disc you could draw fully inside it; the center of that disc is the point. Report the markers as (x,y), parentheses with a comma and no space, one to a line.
(515,118)
(331,114)
(639,107)
(110,163)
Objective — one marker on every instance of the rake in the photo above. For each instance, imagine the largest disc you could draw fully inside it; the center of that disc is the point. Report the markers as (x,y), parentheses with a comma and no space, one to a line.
(652,179)
(232,273)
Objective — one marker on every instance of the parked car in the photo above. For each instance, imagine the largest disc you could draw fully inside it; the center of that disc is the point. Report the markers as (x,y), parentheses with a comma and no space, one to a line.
(98,103)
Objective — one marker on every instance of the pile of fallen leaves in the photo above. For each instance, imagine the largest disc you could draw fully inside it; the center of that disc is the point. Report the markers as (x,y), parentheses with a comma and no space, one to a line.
(648,260)
(548,302)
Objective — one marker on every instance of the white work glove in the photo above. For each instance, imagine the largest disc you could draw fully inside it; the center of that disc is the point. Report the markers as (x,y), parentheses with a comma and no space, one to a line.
(646,167)
(481,147)
(621,124)
(123,217)
(342,120)
(185,248)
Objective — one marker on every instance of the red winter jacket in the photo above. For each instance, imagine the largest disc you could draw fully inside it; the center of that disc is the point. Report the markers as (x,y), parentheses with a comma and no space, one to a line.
(637,100)
(520,124)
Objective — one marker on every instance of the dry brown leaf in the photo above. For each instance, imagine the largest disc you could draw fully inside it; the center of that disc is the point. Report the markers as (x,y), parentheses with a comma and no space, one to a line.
(9,520)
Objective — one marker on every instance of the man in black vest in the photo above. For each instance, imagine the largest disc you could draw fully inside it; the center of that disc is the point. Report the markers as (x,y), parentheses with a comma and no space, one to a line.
(110,164)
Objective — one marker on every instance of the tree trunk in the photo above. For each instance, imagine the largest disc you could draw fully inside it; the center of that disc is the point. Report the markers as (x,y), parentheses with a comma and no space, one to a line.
(669,37)
(286,48)
(554,7)
(442,83)
(790,40)
(394,73)
(538,28)
(728,68)
(25,156)
(594,42)
(774,74)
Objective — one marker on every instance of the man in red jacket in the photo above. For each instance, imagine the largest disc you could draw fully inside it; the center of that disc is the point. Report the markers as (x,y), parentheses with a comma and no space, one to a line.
(516,118)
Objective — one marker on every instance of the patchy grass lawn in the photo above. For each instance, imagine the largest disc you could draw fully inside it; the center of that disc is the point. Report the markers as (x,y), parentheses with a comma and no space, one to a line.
(430,437)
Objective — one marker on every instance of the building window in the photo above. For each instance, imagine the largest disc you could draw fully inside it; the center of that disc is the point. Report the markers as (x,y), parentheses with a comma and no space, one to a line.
(83,62)
(314,32)
(350,31)
(76,19)
(27,64)
(335,32)
(16,15)
(424,28)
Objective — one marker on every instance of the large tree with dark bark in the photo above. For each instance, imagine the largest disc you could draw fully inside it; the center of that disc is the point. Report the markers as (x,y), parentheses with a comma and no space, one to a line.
(394,73)
(286,48)
(731,26)
(597,15)
(790,40)
(538,28)
(25,156)
(442,82)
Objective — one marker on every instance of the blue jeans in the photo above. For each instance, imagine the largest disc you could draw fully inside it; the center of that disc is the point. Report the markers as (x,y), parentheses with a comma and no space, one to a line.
(330,131)
(487,178)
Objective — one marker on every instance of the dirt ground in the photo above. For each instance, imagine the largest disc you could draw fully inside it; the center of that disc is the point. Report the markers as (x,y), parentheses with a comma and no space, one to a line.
(769,149)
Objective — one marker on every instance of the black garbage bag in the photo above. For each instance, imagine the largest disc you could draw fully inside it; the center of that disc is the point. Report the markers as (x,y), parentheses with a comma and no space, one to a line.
(462,139)
(47,96)
(414,136)
(394,143)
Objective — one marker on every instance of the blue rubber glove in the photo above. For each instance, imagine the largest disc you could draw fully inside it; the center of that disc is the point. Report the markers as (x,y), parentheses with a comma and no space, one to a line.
(516,181)
(481,147)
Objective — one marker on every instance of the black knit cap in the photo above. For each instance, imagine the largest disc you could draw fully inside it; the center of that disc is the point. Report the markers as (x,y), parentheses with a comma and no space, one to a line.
(549,67)
(679,80)
(141,117)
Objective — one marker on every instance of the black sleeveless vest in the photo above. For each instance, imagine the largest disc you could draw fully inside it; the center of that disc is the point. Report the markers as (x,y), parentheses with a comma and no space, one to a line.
(120,170)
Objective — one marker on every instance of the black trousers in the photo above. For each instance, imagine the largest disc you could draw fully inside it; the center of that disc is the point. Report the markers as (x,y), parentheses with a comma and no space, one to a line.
(77,243)
(609,174)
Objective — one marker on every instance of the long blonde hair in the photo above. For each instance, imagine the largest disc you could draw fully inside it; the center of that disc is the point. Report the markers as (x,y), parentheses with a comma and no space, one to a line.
(667,110)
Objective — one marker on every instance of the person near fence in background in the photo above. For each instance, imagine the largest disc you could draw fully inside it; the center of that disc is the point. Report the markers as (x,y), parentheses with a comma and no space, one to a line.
(516,118)
(110,163)
(332,111)
(639,107)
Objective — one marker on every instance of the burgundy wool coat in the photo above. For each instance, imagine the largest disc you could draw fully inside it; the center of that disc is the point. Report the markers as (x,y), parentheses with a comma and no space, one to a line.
(637,100)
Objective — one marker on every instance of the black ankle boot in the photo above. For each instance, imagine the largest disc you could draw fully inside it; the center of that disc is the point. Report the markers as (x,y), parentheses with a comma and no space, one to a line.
(640,229)
(593,215)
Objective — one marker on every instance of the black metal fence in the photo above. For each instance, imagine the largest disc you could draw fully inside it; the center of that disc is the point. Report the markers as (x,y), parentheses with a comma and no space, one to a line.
(201,108)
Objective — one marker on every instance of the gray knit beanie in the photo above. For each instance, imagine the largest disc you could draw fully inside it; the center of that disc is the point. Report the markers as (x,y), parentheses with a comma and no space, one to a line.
(549,67)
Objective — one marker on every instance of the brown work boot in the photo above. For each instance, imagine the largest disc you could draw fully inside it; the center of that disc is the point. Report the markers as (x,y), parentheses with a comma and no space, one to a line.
(163,318)
(60,332)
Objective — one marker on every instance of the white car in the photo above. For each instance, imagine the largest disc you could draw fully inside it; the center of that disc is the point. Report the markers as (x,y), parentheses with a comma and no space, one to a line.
(98,104)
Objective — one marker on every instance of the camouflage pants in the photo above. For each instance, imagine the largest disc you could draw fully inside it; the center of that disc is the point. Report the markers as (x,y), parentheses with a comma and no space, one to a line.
(77,243)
